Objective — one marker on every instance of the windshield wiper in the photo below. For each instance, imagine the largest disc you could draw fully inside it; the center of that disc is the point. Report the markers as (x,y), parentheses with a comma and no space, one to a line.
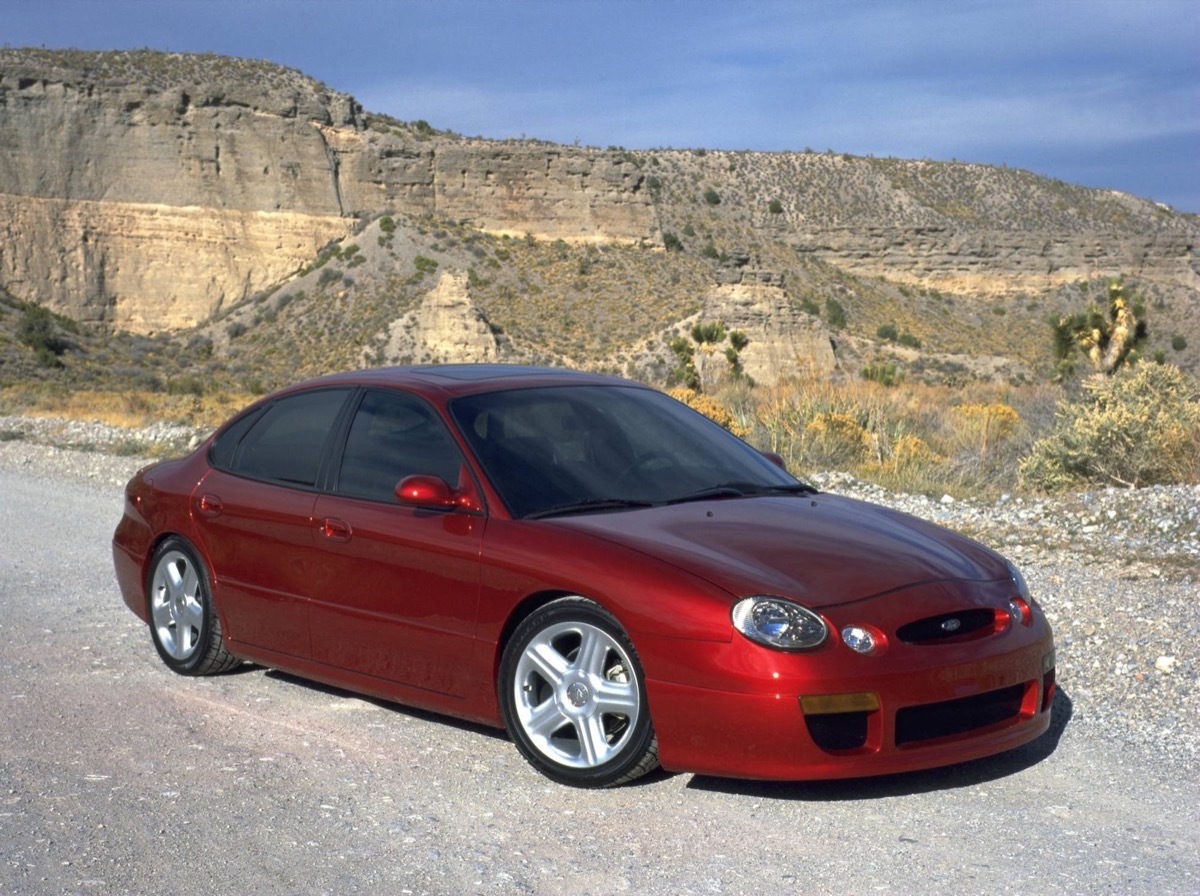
(744,490)
(586,507)
(794,488)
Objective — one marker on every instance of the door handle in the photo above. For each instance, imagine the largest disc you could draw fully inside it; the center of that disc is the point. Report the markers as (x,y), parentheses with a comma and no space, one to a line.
(210,505)
(335,529)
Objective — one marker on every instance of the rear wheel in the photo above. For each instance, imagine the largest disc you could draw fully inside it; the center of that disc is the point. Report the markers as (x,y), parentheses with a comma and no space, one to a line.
(183,622)
(574,696)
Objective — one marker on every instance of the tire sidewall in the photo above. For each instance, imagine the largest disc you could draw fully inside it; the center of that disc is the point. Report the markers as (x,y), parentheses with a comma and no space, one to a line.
(574,609)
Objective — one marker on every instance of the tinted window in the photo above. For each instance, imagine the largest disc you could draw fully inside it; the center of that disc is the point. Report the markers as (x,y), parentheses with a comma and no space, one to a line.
(549,447)
(223,449)
(394,435)
(287,441)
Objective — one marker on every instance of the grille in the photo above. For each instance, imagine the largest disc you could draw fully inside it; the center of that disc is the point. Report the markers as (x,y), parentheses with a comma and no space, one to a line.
(934,628)
(917,723)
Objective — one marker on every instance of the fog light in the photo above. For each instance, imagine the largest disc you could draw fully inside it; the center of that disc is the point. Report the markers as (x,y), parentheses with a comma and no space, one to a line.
(858,639)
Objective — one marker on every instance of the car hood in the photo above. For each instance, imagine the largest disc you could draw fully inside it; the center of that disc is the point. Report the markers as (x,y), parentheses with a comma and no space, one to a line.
(822,550)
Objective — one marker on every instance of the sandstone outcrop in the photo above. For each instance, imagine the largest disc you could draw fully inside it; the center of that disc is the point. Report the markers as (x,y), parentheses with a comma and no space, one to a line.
(151,190)
(446,328)
(784,340)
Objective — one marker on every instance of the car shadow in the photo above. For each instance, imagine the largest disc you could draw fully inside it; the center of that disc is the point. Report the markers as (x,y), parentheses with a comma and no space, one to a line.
(398,708)
(964,774)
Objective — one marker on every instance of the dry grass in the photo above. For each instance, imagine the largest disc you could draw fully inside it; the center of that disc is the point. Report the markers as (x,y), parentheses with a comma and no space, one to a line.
(917,438)
(127,409)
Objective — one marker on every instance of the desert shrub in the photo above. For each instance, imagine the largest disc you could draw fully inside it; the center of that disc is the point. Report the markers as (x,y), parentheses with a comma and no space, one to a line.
(884,373)
(671,242)
(712,197)
(1178,343)
(775,207)
(835,314)
(836,439)
(39,330)
(910,459)
(710,408)
(1139,428)
(981,427)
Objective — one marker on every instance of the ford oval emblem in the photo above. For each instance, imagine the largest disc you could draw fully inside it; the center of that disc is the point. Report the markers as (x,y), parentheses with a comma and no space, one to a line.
(951,625)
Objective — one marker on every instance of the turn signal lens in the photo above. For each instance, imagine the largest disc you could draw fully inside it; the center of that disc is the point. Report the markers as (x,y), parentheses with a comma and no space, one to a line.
(824,704)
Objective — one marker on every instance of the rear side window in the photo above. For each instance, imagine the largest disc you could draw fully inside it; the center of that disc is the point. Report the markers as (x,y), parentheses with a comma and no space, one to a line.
(285,441)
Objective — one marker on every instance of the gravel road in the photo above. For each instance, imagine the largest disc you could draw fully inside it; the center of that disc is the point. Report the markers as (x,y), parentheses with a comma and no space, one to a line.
(121,778)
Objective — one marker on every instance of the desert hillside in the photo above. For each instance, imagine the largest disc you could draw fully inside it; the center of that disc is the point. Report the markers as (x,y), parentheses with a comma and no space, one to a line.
(213,218)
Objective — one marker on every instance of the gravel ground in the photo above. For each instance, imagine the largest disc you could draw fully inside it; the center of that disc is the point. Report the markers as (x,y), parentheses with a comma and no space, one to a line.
(121,778)
(1115,570)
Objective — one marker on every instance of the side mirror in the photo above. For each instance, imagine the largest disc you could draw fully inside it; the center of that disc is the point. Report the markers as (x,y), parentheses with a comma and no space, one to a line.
(433,491)
(425,491)
(776,459)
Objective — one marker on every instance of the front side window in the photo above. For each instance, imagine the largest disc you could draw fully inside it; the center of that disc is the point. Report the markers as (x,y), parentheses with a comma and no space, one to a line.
(394,435)
(285,441)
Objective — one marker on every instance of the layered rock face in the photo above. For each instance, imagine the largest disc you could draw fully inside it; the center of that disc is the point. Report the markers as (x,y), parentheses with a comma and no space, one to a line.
(149,190)
(1003,261)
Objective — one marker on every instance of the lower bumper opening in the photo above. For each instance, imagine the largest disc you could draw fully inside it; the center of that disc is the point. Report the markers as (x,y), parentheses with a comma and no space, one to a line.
(933,720)
(837,731)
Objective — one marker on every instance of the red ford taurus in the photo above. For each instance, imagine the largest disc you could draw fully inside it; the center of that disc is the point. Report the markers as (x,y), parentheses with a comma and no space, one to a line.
(607,574)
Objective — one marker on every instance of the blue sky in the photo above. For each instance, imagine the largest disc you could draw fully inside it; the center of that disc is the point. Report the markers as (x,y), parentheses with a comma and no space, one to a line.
(1103,94)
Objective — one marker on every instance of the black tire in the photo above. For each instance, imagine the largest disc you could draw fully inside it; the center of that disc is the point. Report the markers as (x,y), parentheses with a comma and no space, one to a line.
(183,622)
(573,695)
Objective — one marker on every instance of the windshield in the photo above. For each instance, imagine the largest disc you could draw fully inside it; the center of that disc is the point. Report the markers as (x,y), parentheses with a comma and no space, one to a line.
(566,449)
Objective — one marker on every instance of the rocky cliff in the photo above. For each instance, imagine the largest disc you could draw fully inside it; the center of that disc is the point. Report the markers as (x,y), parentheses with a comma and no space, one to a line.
(152,192)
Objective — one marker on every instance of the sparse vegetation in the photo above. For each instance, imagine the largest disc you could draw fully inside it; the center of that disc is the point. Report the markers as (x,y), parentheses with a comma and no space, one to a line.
(1141,427)
(696,369)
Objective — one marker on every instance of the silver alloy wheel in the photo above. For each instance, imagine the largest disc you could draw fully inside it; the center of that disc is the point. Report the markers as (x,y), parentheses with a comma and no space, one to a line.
(177,605)
(575,694)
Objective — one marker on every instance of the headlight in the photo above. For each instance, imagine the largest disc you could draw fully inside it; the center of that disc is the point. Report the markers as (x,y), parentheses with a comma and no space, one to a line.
(775,622)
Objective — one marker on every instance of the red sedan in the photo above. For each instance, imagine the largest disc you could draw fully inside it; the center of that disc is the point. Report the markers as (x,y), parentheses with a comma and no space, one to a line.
(607,574)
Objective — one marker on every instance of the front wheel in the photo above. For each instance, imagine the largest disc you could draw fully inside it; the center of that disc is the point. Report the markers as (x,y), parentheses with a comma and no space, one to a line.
(183,621)
(573,696)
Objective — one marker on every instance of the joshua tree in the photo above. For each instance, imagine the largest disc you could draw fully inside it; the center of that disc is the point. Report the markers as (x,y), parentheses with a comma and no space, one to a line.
(1108,342)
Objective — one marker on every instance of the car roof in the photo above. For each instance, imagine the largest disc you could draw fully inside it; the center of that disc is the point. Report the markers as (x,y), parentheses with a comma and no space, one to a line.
(451,380)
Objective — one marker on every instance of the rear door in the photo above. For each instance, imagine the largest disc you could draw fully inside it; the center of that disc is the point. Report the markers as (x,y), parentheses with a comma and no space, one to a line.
(254,513)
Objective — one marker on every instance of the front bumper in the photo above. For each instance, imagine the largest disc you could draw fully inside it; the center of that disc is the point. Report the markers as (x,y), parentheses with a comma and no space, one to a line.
(740,710)
(918,725)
